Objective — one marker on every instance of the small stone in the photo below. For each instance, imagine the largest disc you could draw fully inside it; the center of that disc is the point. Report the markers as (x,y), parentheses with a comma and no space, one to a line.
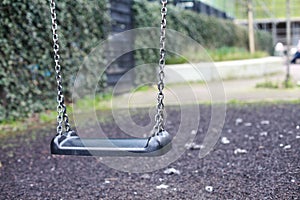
(172,171)
(19,160)
(293,181)
(31,185)
(287,146)
(248,124)
(145,176)
(251,138)
(264,133)
(281,136)
(160,179)
(297,136)
(224,140)
(229,131)
(297,127)
(193,146)
(240,151)
(193,132)
(238,121)
(209,188)
(52,169)
(106,181)
(162,186)
(1,164)
(265,122)
(135,193)
(281,145)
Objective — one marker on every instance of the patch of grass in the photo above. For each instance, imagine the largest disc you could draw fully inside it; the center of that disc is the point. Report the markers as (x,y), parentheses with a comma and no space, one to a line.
(288,83)
(100,102)
(48,116)
(142,88)
(267,84)
(217,55)
(277,85)
(234,53)
(176,60)
(239,103)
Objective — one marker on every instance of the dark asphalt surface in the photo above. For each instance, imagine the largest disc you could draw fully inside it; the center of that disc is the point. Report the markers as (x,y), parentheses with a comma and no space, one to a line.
(261,161)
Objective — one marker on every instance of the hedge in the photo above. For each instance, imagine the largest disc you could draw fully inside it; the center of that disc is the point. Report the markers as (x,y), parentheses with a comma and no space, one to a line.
(27,83)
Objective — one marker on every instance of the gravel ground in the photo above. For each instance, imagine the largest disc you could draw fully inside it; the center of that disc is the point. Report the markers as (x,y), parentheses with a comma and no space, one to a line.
(257,157)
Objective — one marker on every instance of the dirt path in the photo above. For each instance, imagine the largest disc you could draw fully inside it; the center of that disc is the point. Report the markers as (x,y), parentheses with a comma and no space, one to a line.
(261,161)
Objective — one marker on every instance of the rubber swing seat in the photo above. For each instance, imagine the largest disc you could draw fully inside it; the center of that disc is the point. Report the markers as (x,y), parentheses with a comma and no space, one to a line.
(71,144)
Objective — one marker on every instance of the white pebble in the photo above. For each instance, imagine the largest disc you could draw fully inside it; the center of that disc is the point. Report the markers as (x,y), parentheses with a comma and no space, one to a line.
(162,186)
(281,145)
(248,124)
(238,121)
(297,127)
(293,181)
(209,188)
(281,136)
(251,138)
(265,122)
(264,133)
(193,132)
(145,176)
(287,146)
(240,151)
(172,171)
(297,136)
(193,146)
(106,182)
(224,140)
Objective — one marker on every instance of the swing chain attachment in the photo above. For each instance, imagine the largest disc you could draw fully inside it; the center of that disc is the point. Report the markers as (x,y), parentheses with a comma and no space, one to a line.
(159,117)
(62,117)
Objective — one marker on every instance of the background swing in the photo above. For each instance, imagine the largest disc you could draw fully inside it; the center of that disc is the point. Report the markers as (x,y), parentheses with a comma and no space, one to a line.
(67,142)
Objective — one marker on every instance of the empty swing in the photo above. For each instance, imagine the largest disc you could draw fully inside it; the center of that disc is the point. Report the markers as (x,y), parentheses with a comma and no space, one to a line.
(67,142)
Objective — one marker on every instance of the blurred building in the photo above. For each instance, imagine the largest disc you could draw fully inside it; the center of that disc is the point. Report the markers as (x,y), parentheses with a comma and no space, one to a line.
(270,15)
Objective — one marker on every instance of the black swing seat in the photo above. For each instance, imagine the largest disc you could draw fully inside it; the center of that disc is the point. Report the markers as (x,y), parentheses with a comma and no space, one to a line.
(71,144)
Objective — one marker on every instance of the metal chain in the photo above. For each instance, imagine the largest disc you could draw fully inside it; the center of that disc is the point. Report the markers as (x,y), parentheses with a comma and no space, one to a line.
(159,117)
(62,117)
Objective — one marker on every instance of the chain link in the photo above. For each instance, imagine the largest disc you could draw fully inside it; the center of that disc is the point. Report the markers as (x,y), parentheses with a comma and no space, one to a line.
(159,117)
(62,117)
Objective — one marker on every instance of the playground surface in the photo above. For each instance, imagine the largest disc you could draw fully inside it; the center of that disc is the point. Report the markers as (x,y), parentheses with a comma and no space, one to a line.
(256,157)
